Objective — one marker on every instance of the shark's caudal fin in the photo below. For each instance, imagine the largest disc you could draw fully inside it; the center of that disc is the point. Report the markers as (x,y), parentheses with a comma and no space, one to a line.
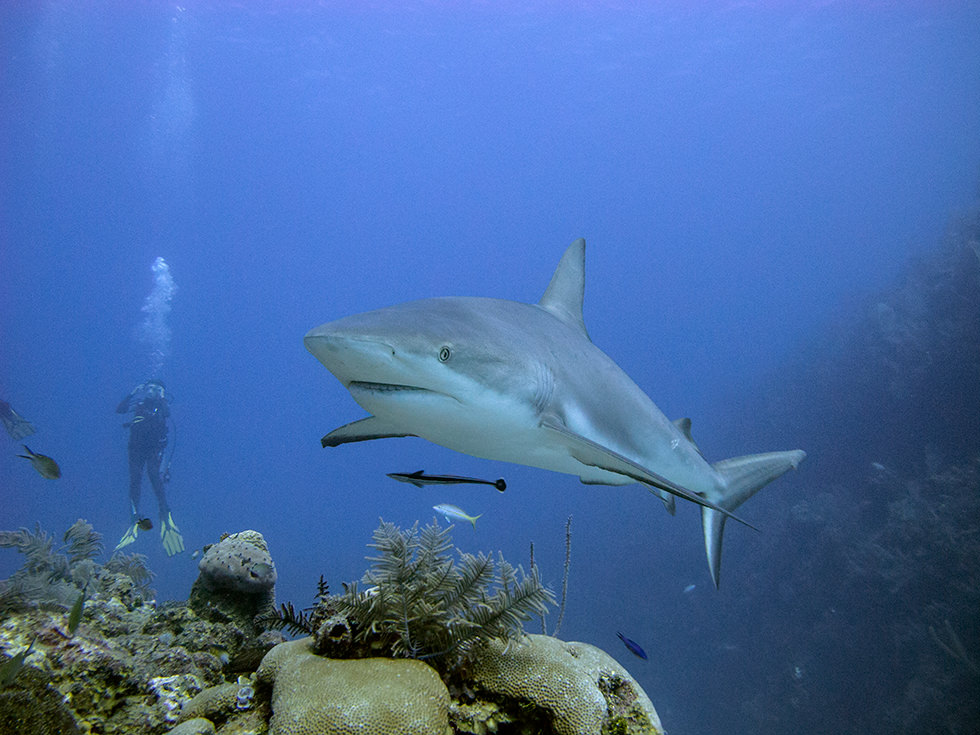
(743,476)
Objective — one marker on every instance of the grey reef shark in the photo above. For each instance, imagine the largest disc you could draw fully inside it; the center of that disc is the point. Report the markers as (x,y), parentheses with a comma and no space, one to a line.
(524,383)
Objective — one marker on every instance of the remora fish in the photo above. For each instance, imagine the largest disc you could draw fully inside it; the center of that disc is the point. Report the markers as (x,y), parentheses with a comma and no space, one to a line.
(45,466)
(633,646)
(452,513)
(524,383)
(420,479)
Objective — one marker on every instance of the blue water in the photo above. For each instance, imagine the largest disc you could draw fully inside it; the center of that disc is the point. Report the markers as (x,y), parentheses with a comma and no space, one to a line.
(744,174)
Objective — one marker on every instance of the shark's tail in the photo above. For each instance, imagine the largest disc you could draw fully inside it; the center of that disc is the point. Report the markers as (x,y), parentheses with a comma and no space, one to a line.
(743,477)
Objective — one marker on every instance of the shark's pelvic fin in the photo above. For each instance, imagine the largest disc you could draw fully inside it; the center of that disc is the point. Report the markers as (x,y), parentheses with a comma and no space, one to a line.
(361,431)
(744,476)
(592,454)
(565,293)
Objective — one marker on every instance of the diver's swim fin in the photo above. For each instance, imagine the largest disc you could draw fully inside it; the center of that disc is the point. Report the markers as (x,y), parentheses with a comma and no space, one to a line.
(128,537)
(16,425)
(173,542)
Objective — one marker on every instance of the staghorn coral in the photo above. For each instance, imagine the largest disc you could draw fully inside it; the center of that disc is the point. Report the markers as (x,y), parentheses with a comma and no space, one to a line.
(312,695)
(423,604)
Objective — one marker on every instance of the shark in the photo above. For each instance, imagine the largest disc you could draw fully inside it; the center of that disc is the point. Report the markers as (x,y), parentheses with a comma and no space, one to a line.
(524,383)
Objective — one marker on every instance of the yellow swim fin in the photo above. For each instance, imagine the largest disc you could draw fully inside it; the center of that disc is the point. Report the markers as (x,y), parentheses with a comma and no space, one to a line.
(173,542)
(128,537)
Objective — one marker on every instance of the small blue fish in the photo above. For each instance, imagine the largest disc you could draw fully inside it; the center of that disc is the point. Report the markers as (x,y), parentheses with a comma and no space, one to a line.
(689,588)
(452,513)
(633,646)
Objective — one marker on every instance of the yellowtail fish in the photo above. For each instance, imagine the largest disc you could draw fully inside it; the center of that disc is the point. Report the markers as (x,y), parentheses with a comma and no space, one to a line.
(452,513)
(420,479)
(45,466)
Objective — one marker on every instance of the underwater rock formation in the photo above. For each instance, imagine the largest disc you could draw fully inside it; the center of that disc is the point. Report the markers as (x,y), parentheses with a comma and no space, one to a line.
(237,580)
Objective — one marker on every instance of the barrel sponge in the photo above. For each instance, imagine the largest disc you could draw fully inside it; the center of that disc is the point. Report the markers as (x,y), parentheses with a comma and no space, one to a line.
(580,686)
(312,695)
(240,562)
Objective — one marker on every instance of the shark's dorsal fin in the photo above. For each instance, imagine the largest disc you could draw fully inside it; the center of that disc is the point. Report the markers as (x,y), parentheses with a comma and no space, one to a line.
(564,295)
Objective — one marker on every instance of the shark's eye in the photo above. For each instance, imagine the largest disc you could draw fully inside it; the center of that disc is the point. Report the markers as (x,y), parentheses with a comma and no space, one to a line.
(444,354)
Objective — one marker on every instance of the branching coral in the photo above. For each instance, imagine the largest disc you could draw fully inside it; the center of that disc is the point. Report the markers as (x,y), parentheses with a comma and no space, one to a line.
(420,603)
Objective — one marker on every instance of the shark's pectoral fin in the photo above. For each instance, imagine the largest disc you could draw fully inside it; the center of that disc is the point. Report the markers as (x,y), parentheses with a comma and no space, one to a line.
(361,431)
(592,454)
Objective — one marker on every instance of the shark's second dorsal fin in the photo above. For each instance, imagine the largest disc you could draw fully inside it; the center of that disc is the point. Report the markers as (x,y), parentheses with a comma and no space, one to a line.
(564,295)
(685,427)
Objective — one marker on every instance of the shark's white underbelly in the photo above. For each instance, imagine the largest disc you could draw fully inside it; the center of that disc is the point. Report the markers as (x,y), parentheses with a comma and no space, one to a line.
(497,429)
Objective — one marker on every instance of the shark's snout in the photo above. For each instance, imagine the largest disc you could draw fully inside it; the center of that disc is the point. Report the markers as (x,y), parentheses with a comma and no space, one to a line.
(350,357)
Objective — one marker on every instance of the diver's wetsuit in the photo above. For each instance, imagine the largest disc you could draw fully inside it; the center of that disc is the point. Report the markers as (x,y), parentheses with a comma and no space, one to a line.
(147,440)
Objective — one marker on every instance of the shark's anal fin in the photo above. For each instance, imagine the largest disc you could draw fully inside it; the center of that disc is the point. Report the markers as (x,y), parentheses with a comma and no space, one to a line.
(665,497)
(592,454)
(361,431)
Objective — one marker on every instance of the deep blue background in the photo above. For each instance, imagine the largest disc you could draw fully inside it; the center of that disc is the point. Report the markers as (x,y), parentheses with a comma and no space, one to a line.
(742,173)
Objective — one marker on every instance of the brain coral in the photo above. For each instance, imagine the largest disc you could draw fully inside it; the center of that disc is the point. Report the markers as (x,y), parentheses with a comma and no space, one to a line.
(312,695)
(580,686)
(240,562)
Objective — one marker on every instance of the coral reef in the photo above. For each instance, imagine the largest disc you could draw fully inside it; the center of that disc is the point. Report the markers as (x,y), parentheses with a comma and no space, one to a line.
(876,566)
(132,666)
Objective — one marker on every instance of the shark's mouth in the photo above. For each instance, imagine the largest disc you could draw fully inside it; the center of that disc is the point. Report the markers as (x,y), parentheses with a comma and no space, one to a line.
(392,391)
(383,387)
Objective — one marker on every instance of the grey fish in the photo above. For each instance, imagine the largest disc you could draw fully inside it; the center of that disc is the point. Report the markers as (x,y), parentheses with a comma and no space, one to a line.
(420,479)
(45,466)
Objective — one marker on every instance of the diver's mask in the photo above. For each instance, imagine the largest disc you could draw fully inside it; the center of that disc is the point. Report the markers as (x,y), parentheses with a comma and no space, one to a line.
(154,390)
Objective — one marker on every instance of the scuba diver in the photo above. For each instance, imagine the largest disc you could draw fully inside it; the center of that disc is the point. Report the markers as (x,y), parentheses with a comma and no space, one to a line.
(16,425)
(147,440)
